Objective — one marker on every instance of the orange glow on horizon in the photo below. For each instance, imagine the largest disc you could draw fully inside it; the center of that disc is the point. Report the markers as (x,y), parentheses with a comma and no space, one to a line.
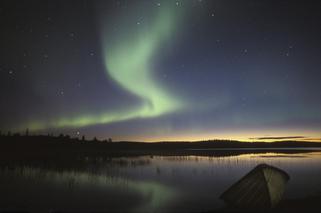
(243,136)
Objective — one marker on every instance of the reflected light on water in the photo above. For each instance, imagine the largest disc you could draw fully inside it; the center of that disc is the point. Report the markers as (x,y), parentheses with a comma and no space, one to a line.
(149,183)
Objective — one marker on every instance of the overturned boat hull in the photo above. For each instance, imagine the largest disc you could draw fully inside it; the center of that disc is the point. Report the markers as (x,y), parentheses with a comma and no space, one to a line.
(262,187)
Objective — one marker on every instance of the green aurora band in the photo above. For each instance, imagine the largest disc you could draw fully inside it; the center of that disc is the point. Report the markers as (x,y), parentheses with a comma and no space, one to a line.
(128,60)
(129,64)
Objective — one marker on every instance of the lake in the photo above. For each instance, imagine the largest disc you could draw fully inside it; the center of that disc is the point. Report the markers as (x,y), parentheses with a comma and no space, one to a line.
(147,183)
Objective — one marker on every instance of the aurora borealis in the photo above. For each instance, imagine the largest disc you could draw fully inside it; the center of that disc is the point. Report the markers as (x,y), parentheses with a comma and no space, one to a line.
(129,63)
(161,70)
(135,75)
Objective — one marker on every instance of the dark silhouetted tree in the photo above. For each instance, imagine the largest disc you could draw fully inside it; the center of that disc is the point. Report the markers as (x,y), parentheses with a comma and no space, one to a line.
(110,140)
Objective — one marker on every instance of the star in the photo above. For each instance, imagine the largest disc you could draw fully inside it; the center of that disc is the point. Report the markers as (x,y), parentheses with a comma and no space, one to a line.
(265,92)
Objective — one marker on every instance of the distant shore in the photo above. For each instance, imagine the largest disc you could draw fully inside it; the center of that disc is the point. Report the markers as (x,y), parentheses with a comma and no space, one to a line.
(50,147)
(65,142)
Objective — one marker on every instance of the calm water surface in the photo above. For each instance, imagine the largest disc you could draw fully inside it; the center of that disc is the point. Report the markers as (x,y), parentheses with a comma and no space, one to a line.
(150,184)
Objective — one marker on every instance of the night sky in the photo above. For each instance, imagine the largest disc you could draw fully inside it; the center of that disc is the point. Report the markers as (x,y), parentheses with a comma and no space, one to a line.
(161,70)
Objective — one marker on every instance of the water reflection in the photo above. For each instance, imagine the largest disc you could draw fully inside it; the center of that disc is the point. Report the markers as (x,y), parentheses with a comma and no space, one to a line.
(150,184)
(39,188)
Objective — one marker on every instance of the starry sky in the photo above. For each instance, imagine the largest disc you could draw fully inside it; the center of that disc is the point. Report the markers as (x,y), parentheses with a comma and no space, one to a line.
(151,70)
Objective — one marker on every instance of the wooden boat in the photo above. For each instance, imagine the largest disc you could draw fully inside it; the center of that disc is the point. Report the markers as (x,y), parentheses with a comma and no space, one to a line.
(262,187)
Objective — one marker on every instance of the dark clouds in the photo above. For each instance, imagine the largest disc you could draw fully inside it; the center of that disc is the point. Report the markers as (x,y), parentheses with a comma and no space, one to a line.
(278,138)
